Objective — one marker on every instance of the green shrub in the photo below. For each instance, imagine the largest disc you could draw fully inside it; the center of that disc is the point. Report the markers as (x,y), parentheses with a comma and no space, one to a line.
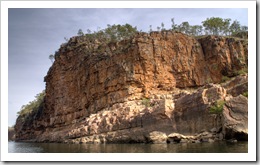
(245,94)
(146,102)
(225,78)
(217,108)
(31,109)
(242,71)
(111,34)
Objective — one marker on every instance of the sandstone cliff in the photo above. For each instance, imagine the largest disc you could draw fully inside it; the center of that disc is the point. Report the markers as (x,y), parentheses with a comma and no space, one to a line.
(154,87)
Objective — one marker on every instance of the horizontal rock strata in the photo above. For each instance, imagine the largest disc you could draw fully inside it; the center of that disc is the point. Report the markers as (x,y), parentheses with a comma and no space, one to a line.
(156,87)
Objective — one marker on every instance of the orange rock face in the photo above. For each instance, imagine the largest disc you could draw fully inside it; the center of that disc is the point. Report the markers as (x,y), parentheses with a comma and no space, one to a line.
(121,92)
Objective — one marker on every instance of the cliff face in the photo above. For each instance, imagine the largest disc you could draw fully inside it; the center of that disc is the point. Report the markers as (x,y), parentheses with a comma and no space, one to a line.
(126,91)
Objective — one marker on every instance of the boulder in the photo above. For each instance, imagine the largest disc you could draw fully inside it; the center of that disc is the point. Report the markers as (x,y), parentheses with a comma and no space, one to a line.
(157,137)
(213,130)
(235,118)
(175,138)
(220,136)
(191,114)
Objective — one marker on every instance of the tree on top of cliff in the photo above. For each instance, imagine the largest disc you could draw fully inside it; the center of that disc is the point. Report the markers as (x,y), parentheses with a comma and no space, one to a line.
(162,26)
(196,30)
(219,26)
(113,33)
(213,25)
(80,32)
(51,57)
(235,27)
(174,26)
(184,27)
(119,32)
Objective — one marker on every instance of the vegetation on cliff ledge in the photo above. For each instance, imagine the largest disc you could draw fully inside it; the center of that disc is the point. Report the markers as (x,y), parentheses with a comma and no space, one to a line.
(116,33)
(217,108)
(211,26)
(33,108)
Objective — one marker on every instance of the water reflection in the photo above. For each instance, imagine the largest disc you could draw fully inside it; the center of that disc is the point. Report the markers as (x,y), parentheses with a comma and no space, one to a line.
(221,147)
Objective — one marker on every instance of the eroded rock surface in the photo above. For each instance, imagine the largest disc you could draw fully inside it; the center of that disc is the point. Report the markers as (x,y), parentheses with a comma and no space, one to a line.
(143,90)
(235,118)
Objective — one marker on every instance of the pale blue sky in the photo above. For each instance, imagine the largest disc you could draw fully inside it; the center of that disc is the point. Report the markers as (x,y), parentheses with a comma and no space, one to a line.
(34,34)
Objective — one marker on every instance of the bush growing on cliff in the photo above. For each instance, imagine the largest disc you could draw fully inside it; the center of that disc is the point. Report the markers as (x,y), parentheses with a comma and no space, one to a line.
(32,107)
(80,32)
(245,94)
(116,33)
(146,102)
(51,57)
(113,33)
(242,71)
(217,108)
(224,79)
(213,26)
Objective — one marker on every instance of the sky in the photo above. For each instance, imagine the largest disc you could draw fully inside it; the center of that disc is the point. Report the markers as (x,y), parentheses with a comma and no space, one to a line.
(34,34)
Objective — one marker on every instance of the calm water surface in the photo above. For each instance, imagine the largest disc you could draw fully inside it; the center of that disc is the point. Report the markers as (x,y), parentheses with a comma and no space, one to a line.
(218,147)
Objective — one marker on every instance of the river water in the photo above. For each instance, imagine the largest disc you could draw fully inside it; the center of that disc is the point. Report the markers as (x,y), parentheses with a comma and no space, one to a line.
(217,147)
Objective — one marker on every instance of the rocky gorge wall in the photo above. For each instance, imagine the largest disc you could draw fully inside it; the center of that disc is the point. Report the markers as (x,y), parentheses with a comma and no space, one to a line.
(155,87)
